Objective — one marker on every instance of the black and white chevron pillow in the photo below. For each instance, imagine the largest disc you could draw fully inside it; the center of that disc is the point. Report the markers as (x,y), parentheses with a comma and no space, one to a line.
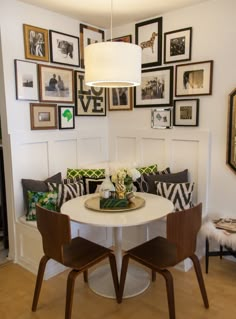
(67,190)
(181,194)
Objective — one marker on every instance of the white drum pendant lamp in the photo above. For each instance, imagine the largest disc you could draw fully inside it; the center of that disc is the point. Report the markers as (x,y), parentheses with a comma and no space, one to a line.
(112,64)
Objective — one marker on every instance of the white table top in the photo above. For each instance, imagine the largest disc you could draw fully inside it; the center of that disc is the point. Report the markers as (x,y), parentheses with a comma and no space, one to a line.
(155,207)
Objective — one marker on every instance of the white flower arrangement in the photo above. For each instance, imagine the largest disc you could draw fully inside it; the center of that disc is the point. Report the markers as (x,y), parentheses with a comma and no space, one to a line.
(129,175)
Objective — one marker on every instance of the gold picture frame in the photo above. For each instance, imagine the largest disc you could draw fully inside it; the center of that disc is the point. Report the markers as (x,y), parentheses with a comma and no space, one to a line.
(43,116)
(36,43)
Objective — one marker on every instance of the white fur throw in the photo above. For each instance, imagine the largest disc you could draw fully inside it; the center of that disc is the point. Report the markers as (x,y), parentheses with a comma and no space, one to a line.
(223,237)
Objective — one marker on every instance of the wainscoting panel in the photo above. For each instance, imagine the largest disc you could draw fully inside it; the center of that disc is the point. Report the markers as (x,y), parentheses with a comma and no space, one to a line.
(174,148)
(38,155)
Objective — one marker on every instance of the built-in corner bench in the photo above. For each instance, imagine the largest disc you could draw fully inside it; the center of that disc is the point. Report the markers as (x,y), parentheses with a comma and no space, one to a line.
(30,251)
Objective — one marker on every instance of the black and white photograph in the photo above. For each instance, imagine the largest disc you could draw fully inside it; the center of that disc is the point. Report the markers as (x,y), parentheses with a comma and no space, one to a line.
(89,35)
(156,88)
(26,80)
(120,99)
(194,78)
(178,45)
(161,118)
(64,48)
(186,112)
(56,84)
(148,34)
(36,43)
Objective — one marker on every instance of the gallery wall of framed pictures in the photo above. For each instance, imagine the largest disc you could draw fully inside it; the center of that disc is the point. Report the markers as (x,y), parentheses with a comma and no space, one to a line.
(167,74)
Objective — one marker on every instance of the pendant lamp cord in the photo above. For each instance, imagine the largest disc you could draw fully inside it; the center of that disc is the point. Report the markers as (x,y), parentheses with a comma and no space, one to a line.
(111,17)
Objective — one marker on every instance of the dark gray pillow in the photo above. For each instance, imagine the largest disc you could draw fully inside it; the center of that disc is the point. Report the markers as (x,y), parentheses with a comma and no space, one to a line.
(180,177)
(141,184)
(37,186)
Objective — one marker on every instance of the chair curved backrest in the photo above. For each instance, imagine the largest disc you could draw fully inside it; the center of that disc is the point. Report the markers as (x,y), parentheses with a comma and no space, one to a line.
(55,231)
(182,230)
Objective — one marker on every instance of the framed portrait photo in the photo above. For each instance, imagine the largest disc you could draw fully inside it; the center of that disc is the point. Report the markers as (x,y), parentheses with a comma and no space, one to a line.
(178,45)
(90,101)
(66,116)
(26,74)
(43,116)
(194,78)
(36,43)
(156,88)
(120,99)
(89,35)
(148,34)
(186,112)
(64,48)
(161,117)
(56,84)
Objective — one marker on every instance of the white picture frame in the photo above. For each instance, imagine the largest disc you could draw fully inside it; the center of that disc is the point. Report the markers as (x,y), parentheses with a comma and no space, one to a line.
(161,118)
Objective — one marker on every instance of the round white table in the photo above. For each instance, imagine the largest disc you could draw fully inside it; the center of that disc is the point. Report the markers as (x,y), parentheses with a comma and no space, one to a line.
(137,279)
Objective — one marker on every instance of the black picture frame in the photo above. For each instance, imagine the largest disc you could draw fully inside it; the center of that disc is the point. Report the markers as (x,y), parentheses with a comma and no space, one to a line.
(148,34)
(90,101)
(156,88)
(66,117)
(89,35)
(64,48)
(186,112)
(26,76)
(193,79)
(178,45)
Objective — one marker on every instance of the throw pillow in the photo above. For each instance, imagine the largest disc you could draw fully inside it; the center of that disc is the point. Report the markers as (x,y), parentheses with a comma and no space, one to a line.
(180,177)
(47,200)
(148,169)
(67,191)
(91,184)
(180,194)
(86,172)
(142,185)
(37,186)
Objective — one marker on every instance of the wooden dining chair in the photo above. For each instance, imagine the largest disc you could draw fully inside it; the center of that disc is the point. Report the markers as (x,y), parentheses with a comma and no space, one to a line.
(160,253)
(78,253)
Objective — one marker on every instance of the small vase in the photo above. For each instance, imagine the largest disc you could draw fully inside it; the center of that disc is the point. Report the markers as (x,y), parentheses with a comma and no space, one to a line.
(120,188)
(129,187)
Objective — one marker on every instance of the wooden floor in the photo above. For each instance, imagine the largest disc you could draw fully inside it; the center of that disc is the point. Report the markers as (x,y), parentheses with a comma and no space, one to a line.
(17,286)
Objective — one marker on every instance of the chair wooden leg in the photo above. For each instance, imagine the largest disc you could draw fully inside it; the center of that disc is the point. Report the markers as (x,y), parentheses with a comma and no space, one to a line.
(153,275)
(85,273)
(70,292)
(39,281)
(170,292)
(114,273)
(123,273)
(207,255)
(201,283)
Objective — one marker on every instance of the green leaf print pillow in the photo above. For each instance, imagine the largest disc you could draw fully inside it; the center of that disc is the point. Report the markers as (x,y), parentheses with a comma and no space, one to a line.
(47,200)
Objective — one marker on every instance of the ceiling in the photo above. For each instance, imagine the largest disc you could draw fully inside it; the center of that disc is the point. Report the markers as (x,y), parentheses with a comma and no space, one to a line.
(98,12)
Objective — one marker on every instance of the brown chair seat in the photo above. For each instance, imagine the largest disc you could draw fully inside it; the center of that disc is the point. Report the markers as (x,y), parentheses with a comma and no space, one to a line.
(78,253)
(160,253)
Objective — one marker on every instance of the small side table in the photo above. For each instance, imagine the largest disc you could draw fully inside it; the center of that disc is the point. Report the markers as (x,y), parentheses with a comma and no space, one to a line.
(221,252)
